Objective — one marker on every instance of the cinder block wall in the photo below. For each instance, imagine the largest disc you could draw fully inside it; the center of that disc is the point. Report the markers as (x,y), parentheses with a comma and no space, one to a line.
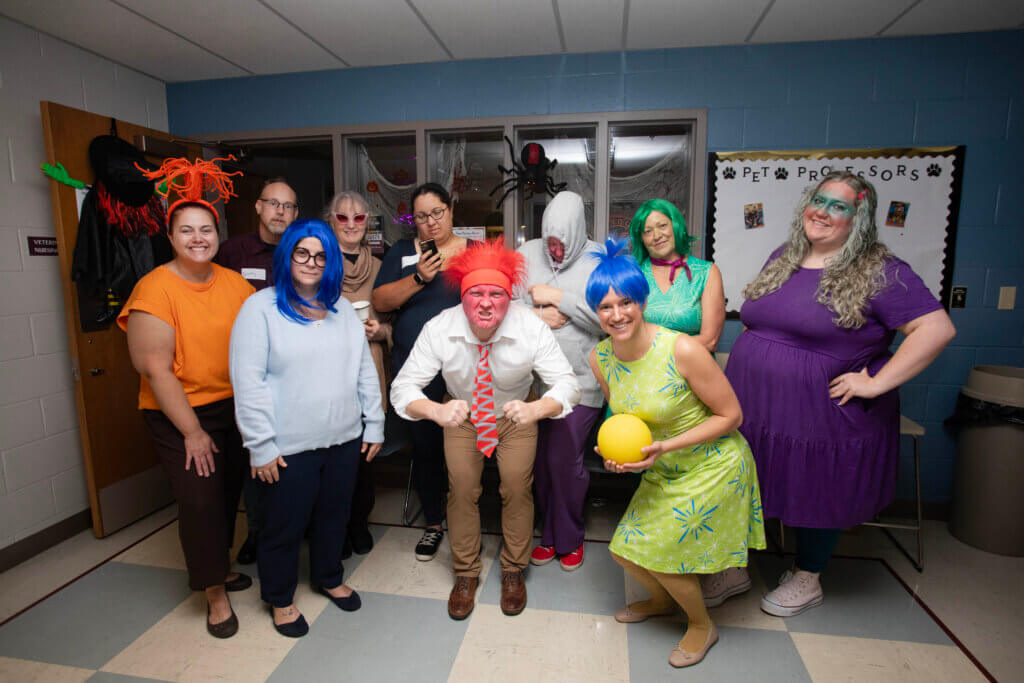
(41,480)
(939,90)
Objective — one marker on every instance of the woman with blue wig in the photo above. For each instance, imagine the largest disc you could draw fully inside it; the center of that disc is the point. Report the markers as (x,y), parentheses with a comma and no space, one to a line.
(308,407)
(697,509)
(686,293)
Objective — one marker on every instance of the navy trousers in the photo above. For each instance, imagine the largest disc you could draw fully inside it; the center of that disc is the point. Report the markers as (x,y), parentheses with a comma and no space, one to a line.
(814,548)
(315,491)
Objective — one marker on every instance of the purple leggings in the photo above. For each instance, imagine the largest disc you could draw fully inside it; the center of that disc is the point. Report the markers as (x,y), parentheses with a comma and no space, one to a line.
(561,479)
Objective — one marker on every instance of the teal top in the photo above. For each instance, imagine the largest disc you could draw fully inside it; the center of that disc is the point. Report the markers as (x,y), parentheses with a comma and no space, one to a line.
(677,309)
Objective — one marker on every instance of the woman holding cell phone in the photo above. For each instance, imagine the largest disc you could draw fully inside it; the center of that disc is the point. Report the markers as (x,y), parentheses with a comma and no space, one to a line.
(408,285)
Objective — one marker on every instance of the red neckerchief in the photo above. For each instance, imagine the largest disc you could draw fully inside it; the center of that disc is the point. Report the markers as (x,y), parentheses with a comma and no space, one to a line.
(676,265)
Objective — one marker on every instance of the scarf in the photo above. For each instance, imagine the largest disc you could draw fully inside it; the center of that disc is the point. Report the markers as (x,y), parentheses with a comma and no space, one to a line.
(356,273)
(676,265)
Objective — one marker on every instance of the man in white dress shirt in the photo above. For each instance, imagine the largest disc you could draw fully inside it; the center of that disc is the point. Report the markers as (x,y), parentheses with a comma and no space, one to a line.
(487,350)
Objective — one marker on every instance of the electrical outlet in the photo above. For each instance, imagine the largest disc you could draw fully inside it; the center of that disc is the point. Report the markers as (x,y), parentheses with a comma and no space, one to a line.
(958,298)
(1007,298)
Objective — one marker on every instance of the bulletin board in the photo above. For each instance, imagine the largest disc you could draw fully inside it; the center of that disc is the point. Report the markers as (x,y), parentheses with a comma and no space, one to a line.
(752,196)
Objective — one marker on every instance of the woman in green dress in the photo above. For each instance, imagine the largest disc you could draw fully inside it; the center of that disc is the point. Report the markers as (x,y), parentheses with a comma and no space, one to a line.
(698,507)
(686,293)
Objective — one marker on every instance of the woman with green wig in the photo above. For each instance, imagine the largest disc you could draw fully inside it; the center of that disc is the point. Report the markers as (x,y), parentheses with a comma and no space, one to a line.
(686,292)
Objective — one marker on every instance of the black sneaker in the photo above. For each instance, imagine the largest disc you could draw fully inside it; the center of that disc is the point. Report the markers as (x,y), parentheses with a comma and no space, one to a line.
(430,541)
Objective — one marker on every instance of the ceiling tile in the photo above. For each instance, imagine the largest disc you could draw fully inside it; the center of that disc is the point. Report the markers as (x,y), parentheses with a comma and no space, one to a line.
(959,16)
(800,20)
(591,26)
(672,23)
(365,32)
(493,28)
(120,35)
(242,31)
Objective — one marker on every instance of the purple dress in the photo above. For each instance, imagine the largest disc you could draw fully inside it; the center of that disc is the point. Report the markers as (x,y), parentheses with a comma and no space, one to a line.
(821,465)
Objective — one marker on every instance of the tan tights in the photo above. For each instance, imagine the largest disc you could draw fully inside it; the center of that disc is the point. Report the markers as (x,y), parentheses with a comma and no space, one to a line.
(666,590)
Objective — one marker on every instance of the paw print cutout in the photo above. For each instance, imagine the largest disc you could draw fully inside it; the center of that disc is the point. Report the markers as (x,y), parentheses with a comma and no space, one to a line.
(729,173)
(781,174)
(933,170)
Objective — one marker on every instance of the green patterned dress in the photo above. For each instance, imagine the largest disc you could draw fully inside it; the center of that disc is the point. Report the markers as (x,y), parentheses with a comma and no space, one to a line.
(679,308)
(698,509)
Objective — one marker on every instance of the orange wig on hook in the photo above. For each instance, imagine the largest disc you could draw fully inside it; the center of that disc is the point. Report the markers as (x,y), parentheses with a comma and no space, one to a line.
(191,180)
(487,263)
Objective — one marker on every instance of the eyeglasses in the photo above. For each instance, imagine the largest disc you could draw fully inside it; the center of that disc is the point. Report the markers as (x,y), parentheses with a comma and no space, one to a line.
(302,256)
(357,218)
(287,206)
(437,214)
(836,208)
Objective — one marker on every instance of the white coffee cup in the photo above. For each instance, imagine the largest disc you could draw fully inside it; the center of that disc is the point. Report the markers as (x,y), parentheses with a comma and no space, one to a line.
(362,309)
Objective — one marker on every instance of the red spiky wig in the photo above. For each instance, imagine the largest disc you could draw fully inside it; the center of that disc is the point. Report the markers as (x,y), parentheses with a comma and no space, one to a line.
(191,180)
(486,263)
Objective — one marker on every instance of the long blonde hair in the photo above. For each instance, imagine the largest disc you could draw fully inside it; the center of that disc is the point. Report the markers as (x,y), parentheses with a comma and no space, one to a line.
(853,275)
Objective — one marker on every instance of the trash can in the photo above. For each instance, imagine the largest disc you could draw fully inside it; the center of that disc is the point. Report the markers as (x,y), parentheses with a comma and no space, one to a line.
(988,503)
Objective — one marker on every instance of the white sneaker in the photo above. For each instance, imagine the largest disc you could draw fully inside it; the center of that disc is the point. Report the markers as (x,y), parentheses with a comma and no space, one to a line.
(719,587)
(800,592)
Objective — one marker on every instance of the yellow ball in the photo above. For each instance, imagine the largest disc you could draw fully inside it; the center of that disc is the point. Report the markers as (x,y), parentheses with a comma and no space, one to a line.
(622,436)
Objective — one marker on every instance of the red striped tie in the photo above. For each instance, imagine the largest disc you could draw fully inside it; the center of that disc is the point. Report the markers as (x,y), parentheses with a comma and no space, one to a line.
(482,413)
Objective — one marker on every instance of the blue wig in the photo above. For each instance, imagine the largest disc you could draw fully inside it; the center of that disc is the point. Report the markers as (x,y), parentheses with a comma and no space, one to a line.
(616,269)
(330,284)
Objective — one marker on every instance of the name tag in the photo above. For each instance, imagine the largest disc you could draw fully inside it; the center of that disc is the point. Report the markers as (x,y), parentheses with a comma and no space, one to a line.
(254,273)
(410,260)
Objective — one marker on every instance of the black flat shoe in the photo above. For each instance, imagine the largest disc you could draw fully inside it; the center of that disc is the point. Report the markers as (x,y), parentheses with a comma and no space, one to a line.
(294,629)
(247,553)
(239,583)
(362,541)
(224,629)
(349,604)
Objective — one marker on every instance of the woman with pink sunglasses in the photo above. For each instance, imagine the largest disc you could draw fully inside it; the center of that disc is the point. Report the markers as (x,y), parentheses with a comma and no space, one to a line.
(348,214)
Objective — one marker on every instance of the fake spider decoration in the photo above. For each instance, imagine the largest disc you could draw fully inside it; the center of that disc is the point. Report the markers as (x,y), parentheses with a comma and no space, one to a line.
(531,175)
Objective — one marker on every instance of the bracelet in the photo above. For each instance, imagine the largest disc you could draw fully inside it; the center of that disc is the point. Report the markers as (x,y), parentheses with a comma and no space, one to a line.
(420,281)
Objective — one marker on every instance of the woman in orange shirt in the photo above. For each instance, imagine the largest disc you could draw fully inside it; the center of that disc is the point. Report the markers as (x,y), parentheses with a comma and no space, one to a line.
(178,319)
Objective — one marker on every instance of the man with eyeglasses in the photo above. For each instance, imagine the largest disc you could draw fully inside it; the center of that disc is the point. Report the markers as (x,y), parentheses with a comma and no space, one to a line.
(252,255)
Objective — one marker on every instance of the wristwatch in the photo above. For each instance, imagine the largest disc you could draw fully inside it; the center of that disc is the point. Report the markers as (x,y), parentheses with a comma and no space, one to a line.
(418,280)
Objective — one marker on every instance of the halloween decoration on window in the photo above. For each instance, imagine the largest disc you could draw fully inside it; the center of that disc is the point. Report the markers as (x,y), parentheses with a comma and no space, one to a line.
(120,236)
(530,176)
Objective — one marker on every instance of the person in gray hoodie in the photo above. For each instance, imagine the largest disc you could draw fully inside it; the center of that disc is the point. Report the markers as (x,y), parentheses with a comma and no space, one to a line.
(559,264)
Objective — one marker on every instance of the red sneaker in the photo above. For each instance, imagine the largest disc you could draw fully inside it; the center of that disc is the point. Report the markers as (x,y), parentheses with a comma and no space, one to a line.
(573,560)
(542,554)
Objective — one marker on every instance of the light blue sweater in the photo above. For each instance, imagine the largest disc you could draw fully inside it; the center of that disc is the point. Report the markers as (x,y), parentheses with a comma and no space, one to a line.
(301,387)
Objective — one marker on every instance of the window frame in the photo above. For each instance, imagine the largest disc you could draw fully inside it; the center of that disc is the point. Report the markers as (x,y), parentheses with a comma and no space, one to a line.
(340,136)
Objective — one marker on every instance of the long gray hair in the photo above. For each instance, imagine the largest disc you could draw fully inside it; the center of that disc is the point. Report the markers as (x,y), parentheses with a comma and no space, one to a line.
(328,213)
(853,275)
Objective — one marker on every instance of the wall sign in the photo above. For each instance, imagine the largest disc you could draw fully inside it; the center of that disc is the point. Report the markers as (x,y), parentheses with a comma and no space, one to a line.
(752,196)
(42,246)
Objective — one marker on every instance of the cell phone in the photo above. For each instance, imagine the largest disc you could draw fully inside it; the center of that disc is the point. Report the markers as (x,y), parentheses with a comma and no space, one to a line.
(428,245)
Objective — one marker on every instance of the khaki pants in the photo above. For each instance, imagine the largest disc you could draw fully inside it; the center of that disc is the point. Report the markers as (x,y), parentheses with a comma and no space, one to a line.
(517,446)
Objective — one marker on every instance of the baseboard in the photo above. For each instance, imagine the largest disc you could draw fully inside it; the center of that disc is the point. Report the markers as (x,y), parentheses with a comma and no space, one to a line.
(29,547)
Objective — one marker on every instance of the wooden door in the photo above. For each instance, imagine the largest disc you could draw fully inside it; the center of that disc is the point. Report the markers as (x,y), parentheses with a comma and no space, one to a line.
(239,214)
(124,479)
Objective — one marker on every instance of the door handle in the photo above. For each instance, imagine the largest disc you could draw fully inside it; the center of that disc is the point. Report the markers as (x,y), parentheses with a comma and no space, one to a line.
(96,372)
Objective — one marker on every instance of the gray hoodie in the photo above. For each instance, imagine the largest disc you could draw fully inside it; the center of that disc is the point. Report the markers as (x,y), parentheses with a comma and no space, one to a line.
(564,219)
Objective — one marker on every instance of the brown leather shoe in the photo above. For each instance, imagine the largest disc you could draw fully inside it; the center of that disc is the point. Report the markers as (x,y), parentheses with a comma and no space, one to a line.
(460,600)
(513,592)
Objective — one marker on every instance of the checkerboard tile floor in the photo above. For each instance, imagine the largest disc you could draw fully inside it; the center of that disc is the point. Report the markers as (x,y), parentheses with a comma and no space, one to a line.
(133,618)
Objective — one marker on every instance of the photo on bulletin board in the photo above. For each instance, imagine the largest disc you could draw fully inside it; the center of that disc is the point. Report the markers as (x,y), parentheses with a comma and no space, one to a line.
(752,196)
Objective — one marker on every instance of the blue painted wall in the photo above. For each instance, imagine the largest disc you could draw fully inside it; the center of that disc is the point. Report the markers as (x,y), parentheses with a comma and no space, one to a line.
(941,90)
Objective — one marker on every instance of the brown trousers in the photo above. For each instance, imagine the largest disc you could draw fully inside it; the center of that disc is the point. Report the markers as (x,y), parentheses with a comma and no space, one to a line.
(207,506)
(517,446)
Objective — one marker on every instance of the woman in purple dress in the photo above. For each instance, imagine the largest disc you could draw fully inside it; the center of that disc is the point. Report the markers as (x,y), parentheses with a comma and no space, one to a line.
(815,378)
